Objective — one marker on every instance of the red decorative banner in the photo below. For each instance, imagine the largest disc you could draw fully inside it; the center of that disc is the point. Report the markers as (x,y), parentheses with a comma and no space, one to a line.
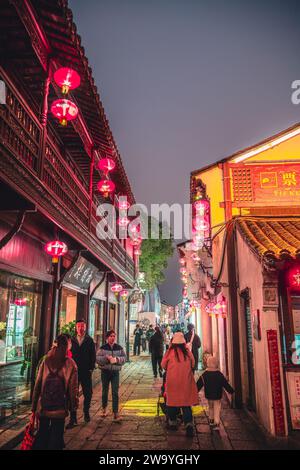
(277,398)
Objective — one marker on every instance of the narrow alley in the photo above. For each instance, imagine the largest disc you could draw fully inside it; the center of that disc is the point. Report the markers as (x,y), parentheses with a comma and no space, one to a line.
(141,427)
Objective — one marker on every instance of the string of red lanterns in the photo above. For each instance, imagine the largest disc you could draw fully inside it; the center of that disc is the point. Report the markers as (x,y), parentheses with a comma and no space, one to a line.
(63,109)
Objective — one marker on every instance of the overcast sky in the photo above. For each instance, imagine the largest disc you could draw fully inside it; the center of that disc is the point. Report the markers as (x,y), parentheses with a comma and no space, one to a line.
(185,83)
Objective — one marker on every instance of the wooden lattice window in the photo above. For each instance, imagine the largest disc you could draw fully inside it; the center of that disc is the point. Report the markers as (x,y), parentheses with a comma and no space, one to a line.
(242,185)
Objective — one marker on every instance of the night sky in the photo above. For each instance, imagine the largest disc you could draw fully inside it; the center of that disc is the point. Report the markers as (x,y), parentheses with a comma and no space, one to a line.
(185,83)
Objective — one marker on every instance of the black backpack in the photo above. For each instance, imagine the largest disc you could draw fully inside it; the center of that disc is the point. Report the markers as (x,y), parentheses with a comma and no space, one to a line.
(54,393)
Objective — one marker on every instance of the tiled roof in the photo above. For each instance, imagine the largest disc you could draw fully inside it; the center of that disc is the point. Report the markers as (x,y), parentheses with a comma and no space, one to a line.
(274,238)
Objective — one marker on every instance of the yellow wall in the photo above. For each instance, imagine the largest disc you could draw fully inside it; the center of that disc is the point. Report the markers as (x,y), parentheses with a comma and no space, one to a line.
(213,180)
(288,150)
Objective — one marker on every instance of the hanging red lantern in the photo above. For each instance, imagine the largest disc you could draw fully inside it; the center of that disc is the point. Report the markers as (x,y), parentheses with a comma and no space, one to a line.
(56,249)
(201,206)
(123,204)
(106,165)
(137,252)
(183,270)
(106,187)
(21,302)
(294,277)
(123,221)
(196,257)
(64,110)
(201,224)
(67,79)
(116,288)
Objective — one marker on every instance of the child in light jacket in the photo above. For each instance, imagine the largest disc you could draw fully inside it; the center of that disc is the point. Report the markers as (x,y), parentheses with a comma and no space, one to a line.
(214,382)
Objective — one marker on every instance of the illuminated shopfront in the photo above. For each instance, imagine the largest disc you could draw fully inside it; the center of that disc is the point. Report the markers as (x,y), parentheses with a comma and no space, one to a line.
(20,309)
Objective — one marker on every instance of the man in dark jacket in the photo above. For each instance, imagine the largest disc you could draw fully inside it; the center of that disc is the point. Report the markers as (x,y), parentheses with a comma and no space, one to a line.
(192,337)
(156,349)
(111,357)
(84,354)
(138,332)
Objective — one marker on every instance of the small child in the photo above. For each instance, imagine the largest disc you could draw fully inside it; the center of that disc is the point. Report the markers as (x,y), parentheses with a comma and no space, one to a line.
(213,381)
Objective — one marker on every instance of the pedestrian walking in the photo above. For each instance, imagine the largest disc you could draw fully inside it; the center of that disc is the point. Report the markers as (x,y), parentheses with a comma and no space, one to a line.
(214,382)
(167,337)
(156,349)
(181,389)
(137,340)
(194,343)
(111,357)
(84,354)
(144,339)
(150,332)
(55,394)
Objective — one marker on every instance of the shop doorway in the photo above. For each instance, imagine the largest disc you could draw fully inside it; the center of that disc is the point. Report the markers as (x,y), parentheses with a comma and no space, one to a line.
(251,401)
(113,320)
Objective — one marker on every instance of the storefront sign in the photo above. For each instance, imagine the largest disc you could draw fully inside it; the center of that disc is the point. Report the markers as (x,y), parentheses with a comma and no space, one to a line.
(293,382)
(296,321)
(277,398)
(81,274)
(266,184)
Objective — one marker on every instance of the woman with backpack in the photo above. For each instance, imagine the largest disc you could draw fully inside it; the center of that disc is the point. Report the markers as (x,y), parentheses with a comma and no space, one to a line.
(55,394)
(181,390)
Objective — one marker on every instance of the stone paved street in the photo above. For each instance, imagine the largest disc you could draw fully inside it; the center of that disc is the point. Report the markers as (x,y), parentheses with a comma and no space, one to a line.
(142,429)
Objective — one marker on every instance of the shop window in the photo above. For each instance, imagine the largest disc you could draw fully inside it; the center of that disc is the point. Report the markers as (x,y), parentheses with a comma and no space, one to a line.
(20,307)
(68,307)
(96,321)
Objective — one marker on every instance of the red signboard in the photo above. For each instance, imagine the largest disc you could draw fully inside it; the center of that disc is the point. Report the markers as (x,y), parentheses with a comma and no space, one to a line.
(266,184)
(277,398)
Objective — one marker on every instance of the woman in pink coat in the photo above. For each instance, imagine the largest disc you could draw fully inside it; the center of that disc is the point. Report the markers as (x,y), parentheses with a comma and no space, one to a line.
(181,389)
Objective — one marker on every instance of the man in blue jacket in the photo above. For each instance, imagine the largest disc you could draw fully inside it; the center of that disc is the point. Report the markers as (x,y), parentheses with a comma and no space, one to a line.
(111,357)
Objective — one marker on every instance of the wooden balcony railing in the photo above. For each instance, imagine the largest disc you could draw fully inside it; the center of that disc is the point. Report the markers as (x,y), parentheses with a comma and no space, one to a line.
(21,134)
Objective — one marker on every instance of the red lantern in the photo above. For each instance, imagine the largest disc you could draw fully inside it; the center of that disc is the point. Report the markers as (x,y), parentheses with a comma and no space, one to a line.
(64,110)
(21,302)
(201,224)
(123,204)
(106,165)
(196,257)
(137,252)
(67,79)
(106,187)
(182,261)
(183,270)
(294,277)
(123,221)
(201,206)
(56,248)
(116,288)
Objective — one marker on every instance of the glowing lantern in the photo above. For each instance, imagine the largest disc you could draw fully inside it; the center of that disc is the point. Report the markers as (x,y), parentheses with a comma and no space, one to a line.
(123,221)
(67,79)
(201,206)
(182,261)
(64,110)
(137,252)
(134,229)
(123,204)
(201,224)
(21,302)
(56,249)
(106,165)
(116,288)
(106,187)
(124,294)
(294,278)
(183,270)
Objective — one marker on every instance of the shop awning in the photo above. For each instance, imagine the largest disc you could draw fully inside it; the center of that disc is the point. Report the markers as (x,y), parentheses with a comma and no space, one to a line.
(272,238)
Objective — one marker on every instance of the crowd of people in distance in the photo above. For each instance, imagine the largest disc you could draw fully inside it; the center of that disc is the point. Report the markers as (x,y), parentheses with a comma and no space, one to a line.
(72,360)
